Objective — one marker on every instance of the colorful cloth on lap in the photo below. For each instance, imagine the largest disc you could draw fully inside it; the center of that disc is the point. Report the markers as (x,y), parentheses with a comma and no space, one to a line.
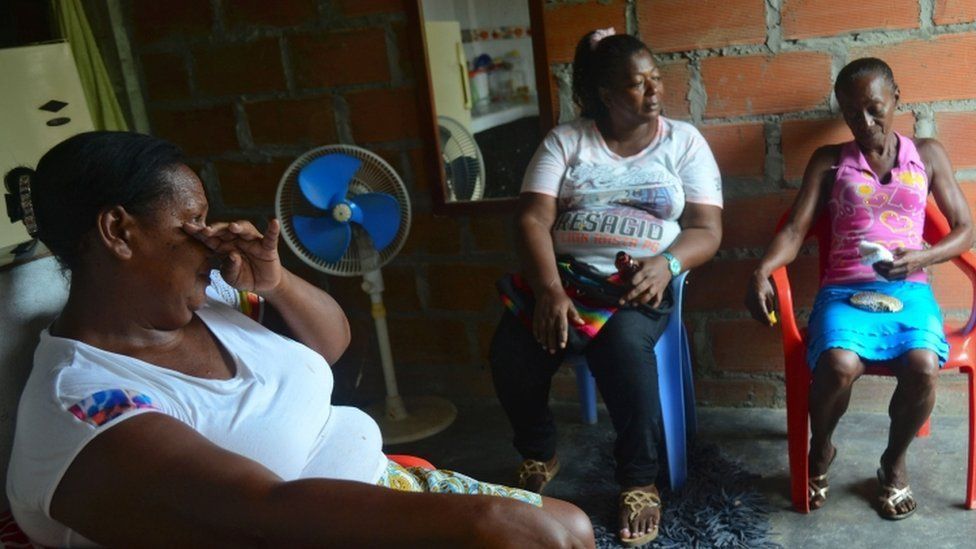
(442,481)
(836,324)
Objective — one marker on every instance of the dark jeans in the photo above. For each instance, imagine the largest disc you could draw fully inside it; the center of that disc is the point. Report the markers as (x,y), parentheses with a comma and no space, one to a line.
(622,360)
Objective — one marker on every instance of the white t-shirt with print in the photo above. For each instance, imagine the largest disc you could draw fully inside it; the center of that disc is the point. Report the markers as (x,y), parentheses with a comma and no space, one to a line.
(276,410)
(608,203)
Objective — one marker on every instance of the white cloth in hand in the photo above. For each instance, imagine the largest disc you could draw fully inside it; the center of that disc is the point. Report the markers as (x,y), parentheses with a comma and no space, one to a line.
(873,252)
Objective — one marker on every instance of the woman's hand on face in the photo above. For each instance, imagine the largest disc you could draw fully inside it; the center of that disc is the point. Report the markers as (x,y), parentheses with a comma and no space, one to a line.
(649,282)
(761,300)
(554,310)
(249,260)
(905,263)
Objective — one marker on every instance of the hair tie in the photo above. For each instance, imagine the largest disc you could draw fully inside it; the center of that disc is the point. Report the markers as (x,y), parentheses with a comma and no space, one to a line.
(26,206)
(600,34)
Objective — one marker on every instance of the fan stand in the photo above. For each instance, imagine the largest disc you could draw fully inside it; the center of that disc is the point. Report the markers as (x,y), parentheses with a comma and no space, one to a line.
(401,419)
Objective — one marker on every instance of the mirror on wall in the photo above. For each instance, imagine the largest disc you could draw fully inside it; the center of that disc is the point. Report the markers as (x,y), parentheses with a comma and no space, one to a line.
(485,92)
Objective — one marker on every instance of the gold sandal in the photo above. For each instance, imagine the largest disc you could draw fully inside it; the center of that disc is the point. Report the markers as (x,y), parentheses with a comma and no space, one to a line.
(635,502)
(532,467)
(892,496)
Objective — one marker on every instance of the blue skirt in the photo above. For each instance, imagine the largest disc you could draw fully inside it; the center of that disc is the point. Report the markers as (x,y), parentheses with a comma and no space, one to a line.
(836,324)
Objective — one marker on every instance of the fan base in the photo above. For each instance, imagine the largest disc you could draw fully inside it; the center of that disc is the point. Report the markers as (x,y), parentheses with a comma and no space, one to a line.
(425,416)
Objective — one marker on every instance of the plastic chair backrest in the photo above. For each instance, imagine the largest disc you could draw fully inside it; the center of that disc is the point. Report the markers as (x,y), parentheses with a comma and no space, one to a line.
(936,228)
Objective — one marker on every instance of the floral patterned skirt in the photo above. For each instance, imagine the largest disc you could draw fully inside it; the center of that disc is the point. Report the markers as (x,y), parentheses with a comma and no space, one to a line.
(442,481)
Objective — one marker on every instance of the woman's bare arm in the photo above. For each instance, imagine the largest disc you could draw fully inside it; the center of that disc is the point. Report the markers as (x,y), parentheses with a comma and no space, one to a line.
(785,245)
(952,203)
(553,309)
(153,481)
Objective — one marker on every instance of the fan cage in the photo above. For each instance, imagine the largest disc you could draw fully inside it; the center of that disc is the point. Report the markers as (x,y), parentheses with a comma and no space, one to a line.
(461,143)
(374,175)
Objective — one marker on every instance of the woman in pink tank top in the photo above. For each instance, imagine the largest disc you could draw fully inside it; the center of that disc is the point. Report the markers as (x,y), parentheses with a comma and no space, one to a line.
(874,190)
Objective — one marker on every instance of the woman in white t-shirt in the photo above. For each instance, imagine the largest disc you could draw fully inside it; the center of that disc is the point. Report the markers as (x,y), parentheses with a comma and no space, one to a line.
(621,178)
(157,415)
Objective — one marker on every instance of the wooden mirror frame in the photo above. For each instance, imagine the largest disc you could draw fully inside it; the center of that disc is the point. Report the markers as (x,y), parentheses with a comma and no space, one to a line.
(428,116)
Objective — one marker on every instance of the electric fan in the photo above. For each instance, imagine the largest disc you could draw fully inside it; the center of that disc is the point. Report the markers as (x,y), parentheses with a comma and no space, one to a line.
(345,212)
(464,168)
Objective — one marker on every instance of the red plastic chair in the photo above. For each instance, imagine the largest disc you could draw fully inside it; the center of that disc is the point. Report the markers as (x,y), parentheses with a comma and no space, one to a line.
(962,355)
(411,461)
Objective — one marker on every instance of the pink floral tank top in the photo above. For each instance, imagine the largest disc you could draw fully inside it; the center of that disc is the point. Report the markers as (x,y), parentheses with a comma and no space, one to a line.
(862,208)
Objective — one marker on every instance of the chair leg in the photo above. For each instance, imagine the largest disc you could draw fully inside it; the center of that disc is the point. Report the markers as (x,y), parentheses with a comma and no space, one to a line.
(798,432)
(586,387)
(971,468)
(926,429)
(669,379)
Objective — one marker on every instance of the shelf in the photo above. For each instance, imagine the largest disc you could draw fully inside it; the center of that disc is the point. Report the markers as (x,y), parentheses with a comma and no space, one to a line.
(497,114)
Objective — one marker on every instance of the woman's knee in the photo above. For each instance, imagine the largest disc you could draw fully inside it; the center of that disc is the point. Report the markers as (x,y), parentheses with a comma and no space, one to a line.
(840,366)
(920,366)
(571,517)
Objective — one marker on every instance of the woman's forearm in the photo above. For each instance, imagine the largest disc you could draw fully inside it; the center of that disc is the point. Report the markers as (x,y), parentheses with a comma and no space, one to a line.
(312,316)
(536,254)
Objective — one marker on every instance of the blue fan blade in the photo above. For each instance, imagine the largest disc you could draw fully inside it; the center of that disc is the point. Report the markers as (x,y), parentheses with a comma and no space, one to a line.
(381,217)
(325,180)
(323,236)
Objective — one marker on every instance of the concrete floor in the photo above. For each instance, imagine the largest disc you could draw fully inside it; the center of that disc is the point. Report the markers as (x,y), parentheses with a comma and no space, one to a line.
(478,444)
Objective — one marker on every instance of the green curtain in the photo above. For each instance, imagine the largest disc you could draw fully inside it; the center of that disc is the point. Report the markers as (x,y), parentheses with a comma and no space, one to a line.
(102,103)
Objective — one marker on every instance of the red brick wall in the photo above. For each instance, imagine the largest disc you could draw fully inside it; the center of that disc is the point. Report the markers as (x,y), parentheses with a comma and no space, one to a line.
(247,85)
(755,76)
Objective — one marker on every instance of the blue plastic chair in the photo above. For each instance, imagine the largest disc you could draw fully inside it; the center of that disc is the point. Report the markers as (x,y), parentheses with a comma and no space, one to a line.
(677,390)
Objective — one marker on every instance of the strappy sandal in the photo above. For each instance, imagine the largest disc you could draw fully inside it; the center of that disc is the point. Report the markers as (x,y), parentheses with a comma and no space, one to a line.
(635,502)
(532,467)
(891,497)
(817,486)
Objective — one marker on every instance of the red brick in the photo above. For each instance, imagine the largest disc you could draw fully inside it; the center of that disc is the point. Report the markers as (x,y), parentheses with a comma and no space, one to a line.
(406,50)
(367,7)
(746,346)
(675,77)
(750,222)
(679,25)
(463,287)
(429,341)
(263,13)
(248,184)
(952,287)
(433,235)
(739,149)
(948,12)
(422,179)
(340,57)
(566,24)
(383,115)
(237,68)
(493,233)
(957,132)
(940,69)
(152,21)
(738,86)
(200,131)
(736,392)
(806,18)
(166,76)
(306,122)
(721,284)
(800,138)
(399,294)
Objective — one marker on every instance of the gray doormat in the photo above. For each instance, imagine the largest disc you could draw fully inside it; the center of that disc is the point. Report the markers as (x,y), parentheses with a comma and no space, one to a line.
(719,506)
